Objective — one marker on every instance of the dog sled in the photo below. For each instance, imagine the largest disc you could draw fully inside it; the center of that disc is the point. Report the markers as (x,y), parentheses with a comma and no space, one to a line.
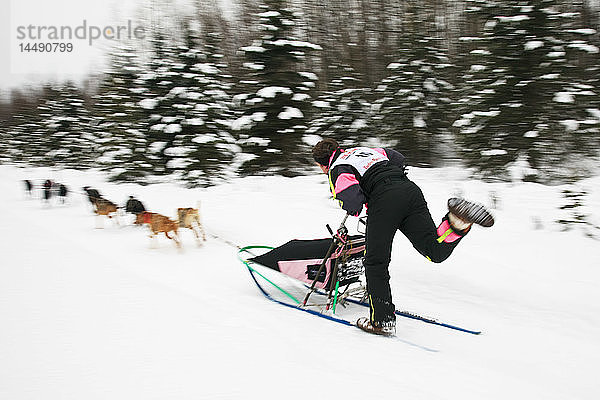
(327,271)
(323,277)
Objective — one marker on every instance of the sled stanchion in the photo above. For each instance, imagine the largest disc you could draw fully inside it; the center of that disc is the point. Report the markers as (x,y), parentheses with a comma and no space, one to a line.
(334,242)
(335,296)
(334,281)
(321,268)
(334,284)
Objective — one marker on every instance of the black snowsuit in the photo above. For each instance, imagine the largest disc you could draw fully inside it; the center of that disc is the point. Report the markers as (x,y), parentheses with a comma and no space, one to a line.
(394,203)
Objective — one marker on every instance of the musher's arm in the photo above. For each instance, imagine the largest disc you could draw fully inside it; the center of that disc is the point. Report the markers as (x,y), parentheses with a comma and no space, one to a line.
(396,158)
(345,188)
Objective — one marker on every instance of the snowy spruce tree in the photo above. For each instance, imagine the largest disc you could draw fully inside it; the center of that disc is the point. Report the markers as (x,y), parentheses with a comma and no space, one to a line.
(63,136)
(199,116)
(22,132)
(274,96)
(161,82)
(414,105)
(120,128)
(7,123)
(525,97)
(5,154)
(343,111)
(166,112)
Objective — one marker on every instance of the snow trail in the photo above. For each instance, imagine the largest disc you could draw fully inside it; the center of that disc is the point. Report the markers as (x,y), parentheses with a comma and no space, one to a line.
(97,314)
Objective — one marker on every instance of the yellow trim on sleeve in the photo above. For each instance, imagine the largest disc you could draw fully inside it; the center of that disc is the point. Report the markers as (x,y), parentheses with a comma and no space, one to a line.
(445,235)
(331,186)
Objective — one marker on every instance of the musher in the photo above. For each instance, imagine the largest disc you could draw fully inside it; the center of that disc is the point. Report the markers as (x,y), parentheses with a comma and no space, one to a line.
(376,177)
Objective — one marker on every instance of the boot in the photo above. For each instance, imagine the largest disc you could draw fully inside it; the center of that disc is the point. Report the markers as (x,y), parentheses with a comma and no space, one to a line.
(459,226)
(463,213)
(387,328)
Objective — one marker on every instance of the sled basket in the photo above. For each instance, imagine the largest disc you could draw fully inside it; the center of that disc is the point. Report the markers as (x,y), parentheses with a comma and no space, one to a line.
(301,259)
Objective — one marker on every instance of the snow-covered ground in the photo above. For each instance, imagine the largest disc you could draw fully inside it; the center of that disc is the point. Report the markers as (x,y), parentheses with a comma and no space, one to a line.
(90,313)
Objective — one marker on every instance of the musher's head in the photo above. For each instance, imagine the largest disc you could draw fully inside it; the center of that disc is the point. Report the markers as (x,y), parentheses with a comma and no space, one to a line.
(323,150)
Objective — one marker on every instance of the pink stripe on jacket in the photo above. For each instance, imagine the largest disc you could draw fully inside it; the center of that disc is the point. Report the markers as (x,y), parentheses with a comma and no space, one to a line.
(344,181)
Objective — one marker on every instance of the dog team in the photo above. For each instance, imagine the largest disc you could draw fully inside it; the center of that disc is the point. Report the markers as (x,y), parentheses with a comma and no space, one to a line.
(50,189)
(187,218)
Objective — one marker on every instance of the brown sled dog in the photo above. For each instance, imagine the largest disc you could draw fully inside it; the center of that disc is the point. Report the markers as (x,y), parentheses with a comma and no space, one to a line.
(159,223)
(190,218)
(106,207)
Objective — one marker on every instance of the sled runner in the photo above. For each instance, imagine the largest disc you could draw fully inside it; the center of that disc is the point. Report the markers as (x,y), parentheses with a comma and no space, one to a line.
(317,276)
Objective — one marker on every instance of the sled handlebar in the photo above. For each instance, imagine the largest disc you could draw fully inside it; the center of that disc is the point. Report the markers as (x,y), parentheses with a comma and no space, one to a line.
(338,236)
(342,230)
